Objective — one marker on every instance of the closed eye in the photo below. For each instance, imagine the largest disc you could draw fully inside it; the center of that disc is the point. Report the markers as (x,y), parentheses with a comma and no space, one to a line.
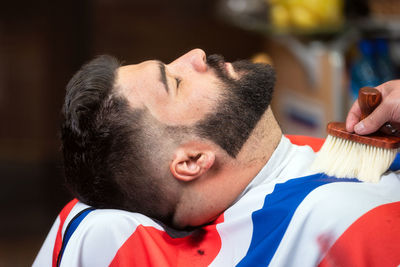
(178,81)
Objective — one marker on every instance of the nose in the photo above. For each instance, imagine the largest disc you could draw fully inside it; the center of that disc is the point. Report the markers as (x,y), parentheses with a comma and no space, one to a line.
(195,58)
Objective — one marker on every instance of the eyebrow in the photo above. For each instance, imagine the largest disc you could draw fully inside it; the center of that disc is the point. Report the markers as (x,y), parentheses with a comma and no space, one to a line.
(163,75)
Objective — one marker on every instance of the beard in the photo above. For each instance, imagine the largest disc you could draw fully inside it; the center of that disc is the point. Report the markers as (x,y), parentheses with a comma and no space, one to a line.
(243,103)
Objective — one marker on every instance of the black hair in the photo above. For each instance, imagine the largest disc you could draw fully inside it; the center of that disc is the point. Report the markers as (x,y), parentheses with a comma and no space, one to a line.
(103,144)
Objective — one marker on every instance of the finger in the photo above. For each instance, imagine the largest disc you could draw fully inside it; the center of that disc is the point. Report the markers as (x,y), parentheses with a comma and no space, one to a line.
(374,121)
(387,87)
(353,117)
(393,107)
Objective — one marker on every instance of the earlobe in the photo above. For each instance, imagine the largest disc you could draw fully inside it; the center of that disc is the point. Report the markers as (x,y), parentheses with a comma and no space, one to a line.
(189,165)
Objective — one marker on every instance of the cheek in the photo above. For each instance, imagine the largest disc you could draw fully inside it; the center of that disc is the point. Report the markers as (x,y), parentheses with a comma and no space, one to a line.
(184,113)
(198,102)
(187,110)
(194,99)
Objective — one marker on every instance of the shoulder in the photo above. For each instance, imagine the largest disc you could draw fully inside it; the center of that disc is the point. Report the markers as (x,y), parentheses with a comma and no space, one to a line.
(100,235)
(328,208)
(348,196)
(320,203)
(334,206)
(104,219)
(351,190)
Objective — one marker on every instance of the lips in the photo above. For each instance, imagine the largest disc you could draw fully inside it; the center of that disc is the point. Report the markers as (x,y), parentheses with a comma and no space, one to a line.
(224,69)
(230,70)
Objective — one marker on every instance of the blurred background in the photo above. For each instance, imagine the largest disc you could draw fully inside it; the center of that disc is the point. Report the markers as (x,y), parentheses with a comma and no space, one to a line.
(323,51)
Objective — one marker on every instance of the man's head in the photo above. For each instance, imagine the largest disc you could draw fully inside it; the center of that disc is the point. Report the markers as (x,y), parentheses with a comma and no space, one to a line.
(138,137)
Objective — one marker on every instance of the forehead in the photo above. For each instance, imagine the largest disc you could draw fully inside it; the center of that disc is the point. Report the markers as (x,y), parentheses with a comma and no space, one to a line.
(131,79)
(141,85)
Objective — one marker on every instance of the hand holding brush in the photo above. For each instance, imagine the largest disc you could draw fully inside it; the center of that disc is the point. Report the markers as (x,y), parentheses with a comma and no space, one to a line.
(385,117)
(349,155)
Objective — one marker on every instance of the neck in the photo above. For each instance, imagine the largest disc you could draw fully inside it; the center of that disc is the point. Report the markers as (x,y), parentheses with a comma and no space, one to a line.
(257,150)
(262,143)
(208,197)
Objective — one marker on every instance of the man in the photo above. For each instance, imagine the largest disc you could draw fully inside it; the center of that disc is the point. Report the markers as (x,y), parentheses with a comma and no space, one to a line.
(194,146)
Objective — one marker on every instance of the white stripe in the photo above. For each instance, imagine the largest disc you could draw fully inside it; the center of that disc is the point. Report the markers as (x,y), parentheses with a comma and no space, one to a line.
(237,229)
(327,212)
(97,239)
(100,235)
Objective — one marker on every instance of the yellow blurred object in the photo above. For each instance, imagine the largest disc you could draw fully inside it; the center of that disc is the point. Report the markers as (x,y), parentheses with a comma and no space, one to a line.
(305,14)
(302,18)
(262,58)
(280,16)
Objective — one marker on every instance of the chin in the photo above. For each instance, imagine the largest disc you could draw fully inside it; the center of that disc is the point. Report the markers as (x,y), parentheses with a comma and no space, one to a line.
(183,224)
(189,224)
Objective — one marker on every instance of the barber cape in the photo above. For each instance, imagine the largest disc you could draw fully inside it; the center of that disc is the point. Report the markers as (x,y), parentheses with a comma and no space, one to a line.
(285,217)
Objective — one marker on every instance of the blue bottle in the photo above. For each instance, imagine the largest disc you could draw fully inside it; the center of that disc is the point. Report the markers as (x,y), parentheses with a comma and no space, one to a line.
(363,71)
(384,64)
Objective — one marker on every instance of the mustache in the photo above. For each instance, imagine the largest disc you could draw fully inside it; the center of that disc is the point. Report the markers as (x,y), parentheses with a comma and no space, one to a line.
(217,62)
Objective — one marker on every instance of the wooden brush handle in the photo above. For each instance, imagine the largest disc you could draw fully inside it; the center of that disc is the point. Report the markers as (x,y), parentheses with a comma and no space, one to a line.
(338,129)
(368,99)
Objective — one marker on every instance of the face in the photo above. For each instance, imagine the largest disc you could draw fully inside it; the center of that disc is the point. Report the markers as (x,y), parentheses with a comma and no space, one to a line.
(247,97)
(222,101)
(179,93)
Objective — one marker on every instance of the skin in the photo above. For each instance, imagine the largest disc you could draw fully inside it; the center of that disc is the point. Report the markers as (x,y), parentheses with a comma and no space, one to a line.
(388,110)
(182,105)
(209,179)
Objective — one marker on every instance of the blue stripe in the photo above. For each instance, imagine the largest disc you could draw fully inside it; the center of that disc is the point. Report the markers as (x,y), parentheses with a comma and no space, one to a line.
(75,224)
(71,229)
(396,163)
(272,220)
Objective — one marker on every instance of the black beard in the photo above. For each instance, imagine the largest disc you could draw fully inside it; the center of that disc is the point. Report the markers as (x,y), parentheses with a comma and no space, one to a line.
(244,102)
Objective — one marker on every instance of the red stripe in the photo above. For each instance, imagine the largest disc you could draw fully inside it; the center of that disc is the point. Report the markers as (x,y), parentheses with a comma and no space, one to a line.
(63,216)
(373,240)
(301,140)
(148,246)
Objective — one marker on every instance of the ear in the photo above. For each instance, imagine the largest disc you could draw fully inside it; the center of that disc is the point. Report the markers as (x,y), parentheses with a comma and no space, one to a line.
(189,164)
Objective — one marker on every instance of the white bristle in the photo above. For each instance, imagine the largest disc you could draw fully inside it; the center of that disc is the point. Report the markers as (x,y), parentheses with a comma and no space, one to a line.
(347,159)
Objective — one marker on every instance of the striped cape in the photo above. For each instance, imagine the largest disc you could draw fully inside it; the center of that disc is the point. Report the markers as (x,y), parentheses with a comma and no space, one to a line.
(282,219)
